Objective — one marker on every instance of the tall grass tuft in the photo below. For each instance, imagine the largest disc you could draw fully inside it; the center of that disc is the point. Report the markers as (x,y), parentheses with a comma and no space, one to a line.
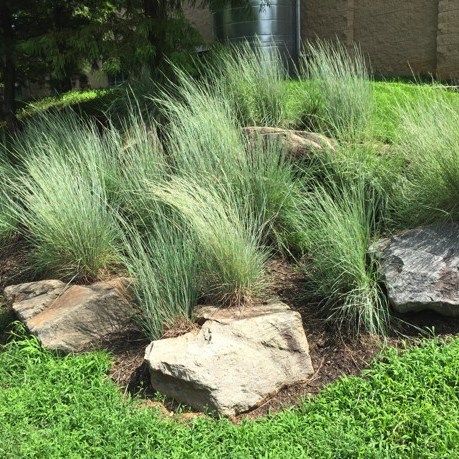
(61,199)
(339,225)
(340,90)
(205,143)
(376,167)
(138,154)
(428,140)
(203,137)
(165,267)
(252,79)
(229,241)
(8,224)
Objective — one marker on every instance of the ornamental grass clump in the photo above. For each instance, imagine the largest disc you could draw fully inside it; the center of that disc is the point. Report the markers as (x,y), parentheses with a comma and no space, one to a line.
(61,201)
(65,215)
(206,143)
(165,266)
(8,224)
(338,229)
(228,241)
(339,89)
(203,137)
(428,141)
(252,79)
(139,157)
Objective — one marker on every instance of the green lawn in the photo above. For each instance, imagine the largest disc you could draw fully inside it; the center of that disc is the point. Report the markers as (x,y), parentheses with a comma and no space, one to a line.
(406,405)
(387,95)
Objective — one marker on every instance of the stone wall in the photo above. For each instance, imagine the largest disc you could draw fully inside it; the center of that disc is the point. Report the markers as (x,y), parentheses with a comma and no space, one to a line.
(401,38)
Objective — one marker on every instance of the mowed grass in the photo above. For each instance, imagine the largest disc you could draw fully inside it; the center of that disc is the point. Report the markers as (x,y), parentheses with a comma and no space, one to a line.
(405,405)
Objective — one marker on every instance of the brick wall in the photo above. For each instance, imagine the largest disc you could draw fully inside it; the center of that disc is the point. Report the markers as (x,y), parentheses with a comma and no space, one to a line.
(326,19)
(401,37)
(448,39)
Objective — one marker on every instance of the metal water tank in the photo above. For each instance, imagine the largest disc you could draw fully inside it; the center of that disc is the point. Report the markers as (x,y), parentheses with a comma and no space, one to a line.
(268,22)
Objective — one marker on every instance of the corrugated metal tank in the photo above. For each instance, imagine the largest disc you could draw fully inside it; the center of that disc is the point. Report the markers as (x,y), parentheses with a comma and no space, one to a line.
(269,22)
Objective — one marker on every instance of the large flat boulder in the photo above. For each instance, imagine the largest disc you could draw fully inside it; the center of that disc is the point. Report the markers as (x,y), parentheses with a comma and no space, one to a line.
(235,361)
(420,269)
(72,318)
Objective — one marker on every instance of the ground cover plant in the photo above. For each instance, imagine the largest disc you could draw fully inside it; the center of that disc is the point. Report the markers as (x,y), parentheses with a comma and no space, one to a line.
(405,405)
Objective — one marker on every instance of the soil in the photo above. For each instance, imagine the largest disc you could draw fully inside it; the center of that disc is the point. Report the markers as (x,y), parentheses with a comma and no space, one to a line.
(13,262)
(333,354)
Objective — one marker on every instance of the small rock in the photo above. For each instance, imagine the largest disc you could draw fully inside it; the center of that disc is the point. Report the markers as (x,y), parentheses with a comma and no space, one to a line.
(235,361)
(72,318)
(420,269)
(298,144)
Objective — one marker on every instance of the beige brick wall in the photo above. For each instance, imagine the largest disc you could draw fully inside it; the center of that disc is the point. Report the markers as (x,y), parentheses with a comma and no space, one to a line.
(400,37)
(448,39)
(325,19)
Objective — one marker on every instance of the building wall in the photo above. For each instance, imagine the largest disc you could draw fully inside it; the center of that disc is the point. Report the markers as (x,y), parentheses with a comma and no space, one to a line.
(400,37)
(202,20)
(326,19)
(448,39)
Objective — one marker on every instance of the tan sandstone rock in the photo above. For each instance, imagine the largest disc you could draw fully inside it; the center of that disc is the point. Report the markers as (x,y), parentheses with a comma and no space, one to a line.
(298,144)
(72,318)
(235,361)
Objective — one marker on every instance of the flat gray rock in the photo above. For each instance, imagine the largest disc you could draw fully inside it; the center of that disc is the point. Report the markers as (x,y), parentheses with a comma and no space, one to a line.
(234,362)
(420,269)
(72,318)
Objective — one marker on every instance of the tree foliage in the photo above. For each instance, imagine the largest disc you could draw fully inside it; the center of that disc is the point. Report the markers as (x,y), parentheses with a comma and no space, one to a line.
(54,40)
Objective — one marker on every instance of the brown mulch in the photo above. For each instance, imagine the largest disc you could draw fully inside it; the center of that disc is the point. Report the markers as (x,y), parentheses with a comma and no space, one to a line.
(13,263)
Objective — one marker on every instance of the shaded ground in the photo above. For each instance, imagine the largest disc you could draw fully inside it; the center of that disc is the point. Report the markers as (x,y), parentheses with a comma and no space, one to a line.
(13,257)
